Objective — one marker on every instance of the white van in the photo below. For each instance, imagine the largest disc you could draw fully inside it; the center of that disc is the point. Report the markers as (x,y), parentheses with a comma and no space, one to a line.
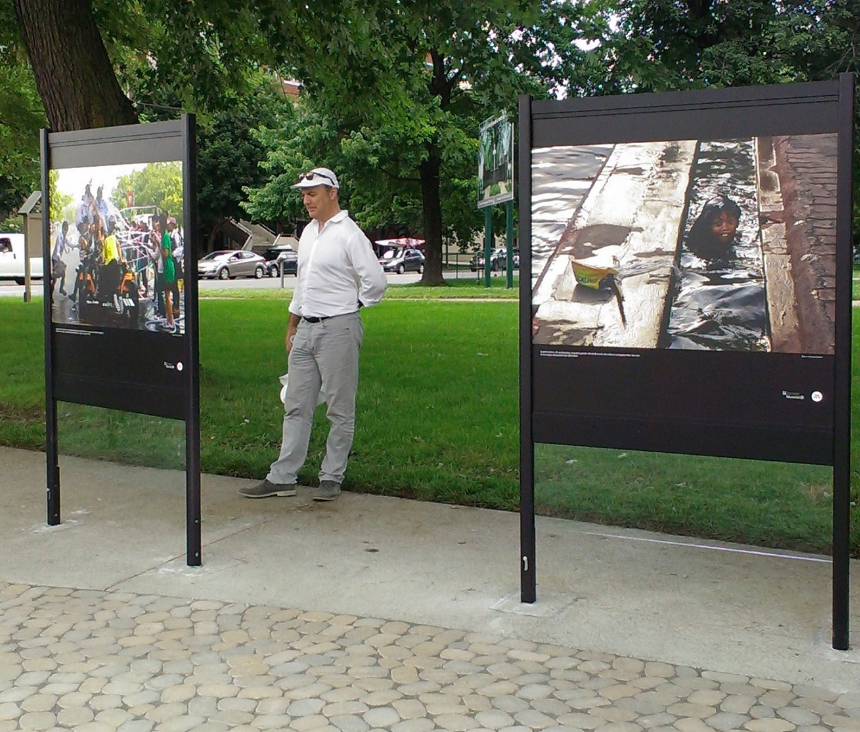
(12,259)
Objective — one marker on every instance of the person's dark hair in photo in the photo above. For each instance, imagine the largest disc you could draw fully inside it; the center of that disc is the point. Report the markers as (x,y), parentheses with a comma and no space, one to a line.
(713,234)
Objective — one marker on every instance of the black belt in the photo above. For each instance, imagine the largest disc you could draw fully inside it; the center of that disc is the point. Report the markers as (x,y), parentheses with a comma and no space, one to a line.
(321,318)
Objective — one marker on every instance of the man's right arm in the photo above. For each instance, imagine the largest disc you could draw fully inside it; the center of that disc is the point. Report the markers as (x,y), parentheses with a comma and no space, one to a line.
(292,326)
(371,275)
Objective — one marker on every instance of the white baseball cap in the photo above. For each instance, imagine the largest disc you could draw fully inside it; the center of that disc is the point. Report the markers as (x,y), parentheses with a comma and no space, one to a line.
(317,177)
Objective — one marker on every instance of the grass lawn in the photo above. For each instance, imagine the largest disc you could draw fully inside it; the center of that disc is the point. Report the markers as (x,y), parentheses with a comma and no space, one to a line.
(437,420)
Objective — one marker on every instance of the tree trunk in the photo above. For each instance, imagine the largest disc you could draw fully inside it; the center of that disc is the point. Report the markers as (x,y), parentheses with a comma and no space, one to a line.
(73,73)
(210,241)
(432,215)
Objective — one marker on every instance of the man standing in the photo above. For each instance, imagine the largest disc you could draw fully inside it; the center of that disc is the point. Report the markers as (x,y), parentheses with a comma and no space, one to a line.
(111,274)
(83,215)
(101,207)
(178,251)
(338,273)
(58,266)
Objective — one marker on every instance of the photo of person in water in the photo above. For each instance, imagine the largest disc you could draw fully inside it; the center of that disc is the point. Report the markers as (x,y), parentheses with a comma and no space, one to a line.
(740,258)
(719,296)
(714,232)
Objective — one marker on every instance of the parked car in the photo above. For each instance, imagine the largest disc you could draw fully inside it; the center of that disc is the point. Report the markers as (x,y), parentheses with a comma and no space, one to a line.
(498,260)
(403,260)
(12,259)
(230,264)
(277,257)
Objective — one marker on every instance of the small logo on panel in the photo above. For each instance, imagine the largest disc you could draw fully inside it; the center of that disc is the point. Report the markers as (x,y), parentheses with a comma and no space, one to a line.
(816,396)
(169,365)
(793,395)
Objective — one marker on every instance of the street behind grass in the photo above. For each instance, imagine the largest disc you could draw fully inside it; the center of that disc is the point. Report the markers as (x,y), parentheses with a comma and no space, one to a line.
(437,420)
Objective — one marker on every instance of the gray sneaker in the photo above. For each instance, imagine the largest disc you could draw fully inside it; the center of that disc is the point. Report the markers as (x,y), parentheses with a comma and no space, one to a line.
(328,491)
(266,489)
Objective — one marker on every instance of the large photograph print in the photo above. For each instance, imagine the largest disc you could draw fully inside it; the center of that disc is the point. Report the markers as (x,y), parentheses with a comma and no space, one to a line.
(117,247)
(684,292)
(711,245)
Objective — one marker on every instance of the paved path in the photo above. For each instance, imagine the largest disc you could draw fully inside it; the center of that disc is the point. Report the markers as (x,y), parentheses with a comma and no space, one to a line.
(375,613)
(102,661)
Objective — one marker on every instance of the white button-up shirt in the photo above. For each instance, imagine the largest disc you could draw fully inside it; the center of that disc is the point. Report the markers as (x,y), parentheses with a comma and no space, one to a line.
(337,270)
(60,246)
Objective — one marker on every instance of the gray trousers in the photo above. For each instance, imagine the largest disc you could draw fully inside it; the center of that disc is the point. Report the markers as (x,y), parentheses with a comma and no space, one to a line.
(324,356)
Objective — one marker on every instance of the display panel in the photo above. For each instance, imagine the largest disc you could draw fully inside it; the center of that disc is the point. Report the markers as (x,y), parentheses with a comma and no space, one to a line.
(116,245)
(496,162)
(683,271)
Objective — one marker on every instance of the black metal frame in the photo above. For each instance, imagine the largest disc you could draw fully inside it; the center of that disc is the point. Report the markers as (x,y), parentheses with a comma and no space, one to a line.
(528,574)
(192,347)
(51,446)
(842,371)
(712,114)
(156,142)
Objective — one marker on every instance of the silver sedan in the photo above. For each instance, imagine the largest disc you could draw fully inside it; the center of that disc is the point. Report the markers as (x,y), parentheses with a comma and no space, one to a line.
(229,264)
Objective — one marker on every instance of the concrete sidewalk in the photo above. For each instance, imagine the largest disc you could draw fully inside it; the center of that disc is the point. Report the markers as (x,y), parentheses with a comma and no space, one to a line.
(619,607)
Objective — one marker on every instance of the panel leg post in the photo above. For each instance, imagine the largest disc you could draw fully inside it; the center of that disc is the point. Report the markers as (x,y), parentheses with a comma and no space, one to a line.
(488,243)
(193,531)
(842,380)
(509,242)
(841,541)
(53,514)
(528,576)
(841,558)
(194,547)
(52,451)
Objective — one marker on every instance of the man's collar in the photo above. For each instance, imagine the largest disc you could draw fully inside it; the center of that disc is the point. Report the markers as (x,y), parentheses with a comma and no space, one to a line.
(339,216)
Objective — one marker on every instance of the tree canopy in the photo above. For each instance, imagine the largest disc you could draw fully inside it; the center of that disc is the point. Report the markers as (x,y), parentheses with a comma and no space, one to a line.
(394,90)
(20,119)
(158,184)
(676,44)
(404,86)
(21,116)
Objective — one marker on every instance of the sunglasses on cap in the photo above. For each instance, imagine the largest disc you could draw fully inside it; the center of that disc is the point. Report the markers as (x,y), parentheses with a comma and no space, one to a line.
(313,175)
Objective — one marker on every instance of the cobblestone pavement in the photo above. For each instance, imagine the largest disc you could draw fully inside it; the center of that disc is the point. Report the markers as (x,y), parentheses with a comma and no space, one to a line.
(100,661)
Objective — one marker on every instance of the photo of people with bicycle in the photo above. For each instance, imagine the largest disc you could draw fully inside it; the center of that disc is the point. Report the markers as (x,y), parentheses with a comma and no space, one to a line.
(117,247)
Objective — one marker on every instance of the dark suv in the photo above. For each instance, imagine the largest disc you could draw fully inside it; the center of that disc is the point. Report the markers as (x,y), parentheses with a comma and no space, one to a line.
(285,257)
(403,260)
(498,260)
